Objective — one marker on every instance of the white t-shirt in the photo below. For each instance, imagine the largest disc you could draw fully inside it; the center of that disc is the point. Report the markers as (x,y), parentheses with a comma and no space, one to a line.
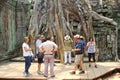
(26,53)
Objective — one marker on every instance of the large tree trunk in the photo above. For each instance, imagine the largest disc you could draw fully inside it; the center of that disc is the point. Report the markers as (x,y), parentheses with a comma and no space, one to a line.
(58,27)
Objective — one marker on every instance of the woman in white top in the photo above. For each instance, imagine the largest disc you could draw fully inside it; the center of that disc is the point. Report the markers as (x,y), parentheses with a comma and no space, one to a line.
(27,53)
(91,46)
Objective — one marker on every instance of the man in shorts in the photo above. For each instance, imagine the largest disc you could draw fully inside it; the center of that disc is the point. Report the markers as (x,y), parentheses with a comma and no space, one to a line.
(78,55)
(40,60)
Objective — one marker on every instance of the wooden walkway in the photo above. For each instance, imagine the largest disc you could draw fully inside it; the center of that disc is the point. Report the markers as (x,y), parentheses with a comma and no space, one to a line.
(14,70)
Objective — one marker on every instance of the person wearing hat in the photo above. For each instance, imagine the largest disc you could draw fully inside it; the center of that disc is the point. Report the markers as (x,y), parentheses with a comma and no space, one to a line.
(39,40)
(78,54)
(67,49)
(83,47)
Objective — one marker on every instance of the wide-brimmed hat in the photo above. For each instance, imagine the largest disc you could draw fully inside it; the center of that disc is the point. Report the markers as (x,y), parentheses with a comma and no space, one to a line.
(81,37)
(77,36)
(67,37)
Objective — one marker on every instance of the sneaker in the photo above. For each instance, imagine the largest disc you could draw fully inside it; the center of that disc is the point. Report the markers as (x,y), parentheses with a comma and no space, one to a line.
(40,72)
(29,74)
(53,76)
(73,72)
(25,74)
(82,72)
(45,76)
(69,63)
(95,66)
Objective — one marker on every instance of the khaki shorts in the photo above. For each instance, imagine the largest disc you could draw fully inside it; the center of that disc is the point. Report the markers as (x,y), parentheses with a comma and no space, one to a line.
(78,59)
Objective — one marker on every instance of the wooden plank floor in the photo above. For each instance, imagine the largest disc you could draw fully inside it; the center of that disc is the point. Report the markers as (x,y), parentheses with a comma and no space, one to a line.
(14,70)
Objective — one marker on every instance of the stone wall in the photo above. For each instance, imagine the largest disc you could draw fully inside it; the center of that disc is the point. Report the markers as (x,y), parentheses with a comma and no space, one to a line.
(107,36)
(14,21)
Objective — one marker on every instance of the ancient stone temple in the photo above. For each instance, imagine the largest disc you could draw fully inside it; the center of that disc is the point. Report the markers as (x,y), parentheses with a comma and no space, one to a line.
(97,18)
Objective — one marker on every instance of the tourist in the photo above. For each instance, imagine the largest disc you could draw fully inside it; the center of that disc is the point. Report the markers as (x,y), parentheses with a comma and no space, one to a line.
(83,47)
(27,53)
(91,46)
(48,48)
(78,55)
(38,53)
(68,43)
